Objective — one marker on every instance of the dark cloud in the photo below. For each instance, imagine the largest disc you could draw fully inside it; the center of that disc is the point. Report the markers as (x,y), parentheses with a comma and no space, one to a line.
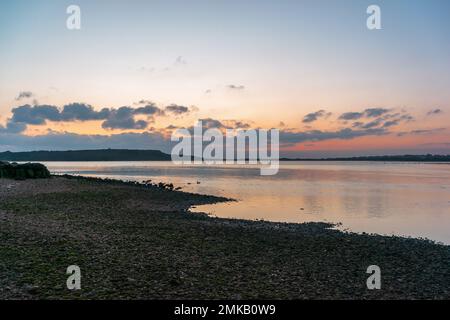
(311,117)
(375,112)
(39,114)
(143,101)
(436,144)
(13,127)
(236,124)
(123,118)
(406,118)
(24,95)
(390,123)
(176,109)
(36,115)
(372,124)
(368,113)
(351,116)
(357,124)
(209,123)
(376,118)
(433,112)
(149,110)
(291,138)
(427,131)
(379,122)
(82,112)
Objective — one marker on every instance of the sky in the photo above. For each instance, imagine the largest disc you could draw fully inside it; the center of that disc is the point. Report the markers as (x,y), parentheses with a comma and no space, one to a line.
(137,70)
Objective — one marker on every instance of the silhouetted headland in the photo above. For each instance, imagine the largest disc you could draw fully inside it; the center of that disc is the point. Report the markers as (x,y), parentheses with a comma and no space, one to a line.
(87,155)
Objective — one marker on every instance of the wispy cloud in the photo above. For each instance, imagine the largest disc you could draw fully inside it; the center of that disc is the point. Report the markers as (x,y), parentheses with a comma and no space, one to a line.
(180,61)
(121,118)
(24,95)
(421,131)
(314,116)
(176,109)
(235,87)
(293,138)
(434,112)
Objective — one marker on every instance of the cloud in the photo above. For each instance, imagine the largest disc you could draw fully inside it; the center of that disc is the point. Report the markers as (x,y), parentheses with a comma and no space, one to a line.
(357,124)
(372,124)
(236,87)
(292,138)
(123,118)
(209,123)
(427,131)
(180,61)
(36,115)
(368,113)
(390,123)
(236,124)
(436,144)
(375,112)
(12,127)
(421,131)
(433,112)
(82,112)
(24,95)
(351,116)
(150,110)
(376,118)
(143,101)
(39,114)
(311,117)
(407,118)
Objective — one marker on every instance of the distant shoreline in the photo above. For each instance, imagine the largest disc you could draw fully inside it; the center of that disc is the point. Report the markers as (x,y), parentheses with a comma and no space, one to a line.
(281,160)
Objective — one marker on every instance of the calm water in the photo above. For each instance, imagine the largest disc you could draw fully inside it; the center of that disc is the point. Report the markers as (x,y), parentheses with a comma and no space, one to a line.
(386,198)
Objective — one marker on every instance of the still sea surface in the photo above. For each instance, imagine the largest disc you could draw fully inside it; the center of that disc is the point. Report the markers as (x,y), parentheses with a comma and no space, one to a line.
(408,199)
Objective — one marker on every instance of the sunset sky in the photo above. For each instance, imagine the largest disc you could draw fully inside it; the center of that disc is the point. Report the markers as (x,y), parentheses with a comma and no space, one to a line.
(138,69)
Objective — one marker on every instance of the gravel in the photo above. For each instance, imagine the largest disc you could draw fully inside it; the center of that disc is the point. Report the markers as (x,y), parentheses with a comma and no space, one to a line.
(141,242)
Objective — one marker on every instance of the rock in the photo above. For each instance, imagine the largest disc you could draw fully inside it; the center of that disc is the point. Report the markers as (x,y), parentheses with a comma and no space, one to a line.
(23,171)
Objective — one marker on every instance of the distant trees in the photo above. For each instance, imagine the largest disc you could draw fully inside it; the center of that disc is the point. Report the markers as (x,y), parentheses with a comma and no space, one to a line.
(23,171)
(87,155)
